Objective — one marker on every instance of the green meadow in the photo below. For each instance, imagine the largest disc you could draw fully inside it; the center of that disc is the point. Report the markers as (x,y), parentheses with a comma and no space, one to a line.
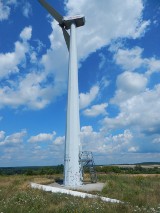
(139,193)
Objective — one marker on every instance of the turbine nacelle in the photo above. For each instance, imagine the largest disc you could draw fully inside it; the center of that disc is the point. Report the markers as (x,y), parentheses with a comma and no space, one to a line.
(78,20)
(64,22)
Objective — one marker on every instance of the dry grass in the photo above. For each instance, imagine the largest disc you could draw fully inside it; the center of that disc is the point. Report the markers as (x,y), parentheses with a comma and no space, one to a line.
(141,190)
(43,180)
(141,194)
(142,175)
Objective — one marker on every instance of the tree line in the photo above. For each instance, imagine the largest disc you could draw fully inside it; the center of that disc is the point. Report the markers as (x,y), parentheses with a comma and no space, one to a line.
(51,170)
(37,170)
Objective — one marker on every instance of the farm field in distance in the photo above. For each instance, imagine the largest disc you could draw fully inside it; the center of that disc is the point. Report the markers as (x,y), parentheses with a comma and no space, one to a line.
(139,192)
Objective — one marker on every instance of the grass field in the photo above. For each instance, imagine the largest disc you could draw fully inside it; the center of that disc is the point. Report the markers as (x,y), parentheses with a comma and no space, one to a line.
(140,193)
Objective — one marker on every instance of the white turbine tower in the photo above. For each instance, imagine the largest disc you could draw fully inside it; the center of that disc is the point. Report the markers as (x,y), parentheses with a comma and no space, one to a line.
(72,165)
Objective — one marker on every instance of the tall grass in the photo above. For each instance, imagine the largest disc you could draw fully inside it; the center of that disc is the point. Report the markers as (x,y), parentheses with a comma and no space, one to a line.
(140,194)
(138,190)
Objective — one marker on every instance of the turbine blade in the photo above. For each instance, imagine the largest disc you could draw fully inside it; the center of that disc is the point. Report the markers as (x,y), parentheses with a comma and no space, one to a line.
(66,37)
(51,10)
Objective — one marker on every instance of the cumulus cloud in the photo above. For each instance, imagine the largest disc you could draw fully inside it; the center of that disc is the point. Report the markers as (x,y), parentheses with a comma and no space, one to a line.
(132,82)
(141,112)
(111,22)
(93,141)
(59,140)
(35,152)
(13,139)
(138,105)
(51,63)
(9,2)
(26,33)
(133,149)
(42,137)
(27,9)
(10,62)
(128,85)
(87,98)
(33,89)
(4,11)
(5,8)
(27,92)
(129,59)
(102,60)
(99,143)
(95,110)
(153,66)
(156,140)
(2,135)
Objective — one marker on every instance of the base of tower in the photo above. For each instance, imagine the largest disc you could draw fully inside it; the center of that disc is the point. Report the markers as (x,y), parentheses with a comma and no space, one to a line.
(87,187)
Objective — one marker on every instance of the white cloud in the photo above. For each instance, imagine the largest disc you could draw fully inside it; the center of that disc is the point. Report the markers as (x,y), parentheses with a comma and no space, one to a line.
(141,29)
(26,33)
(2,135)
(13,139)
(123,138)
(104,83)
(27,9)
(133,149)
(33,57)
(129,84)
(129,59)
(153,66)
(156,140)
(102,60)
(99,143)
(9,2)
(95,110)
(4,11)
(5,8)
(40,45)
(92,141)
(27,92)
(111,22)
(30,90)
(141,112)
(10,62)
(87,98)
(35,152)
(132,82)
(42,137)
(138,105)
(59,140)
(51,60)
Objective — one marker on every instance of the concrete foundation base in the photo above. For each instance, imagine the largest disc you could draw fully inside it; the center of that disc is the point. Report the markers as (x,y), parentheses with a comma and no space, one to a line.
(61,189)
(87,187)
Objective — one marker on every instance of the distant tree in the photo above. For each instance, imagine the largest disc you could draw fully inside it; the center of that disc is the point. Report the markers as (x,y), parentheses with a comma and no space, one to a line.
(29,172)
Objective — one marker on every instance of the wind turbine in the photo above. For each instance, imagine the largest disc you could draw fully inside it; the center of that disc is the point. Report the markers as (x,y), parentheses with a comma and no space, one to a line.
(72,164)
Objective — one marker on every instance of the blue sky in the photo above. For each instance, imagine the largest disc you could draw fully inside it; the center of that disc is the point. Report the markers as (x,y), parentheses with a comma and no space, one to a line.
(119,81)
